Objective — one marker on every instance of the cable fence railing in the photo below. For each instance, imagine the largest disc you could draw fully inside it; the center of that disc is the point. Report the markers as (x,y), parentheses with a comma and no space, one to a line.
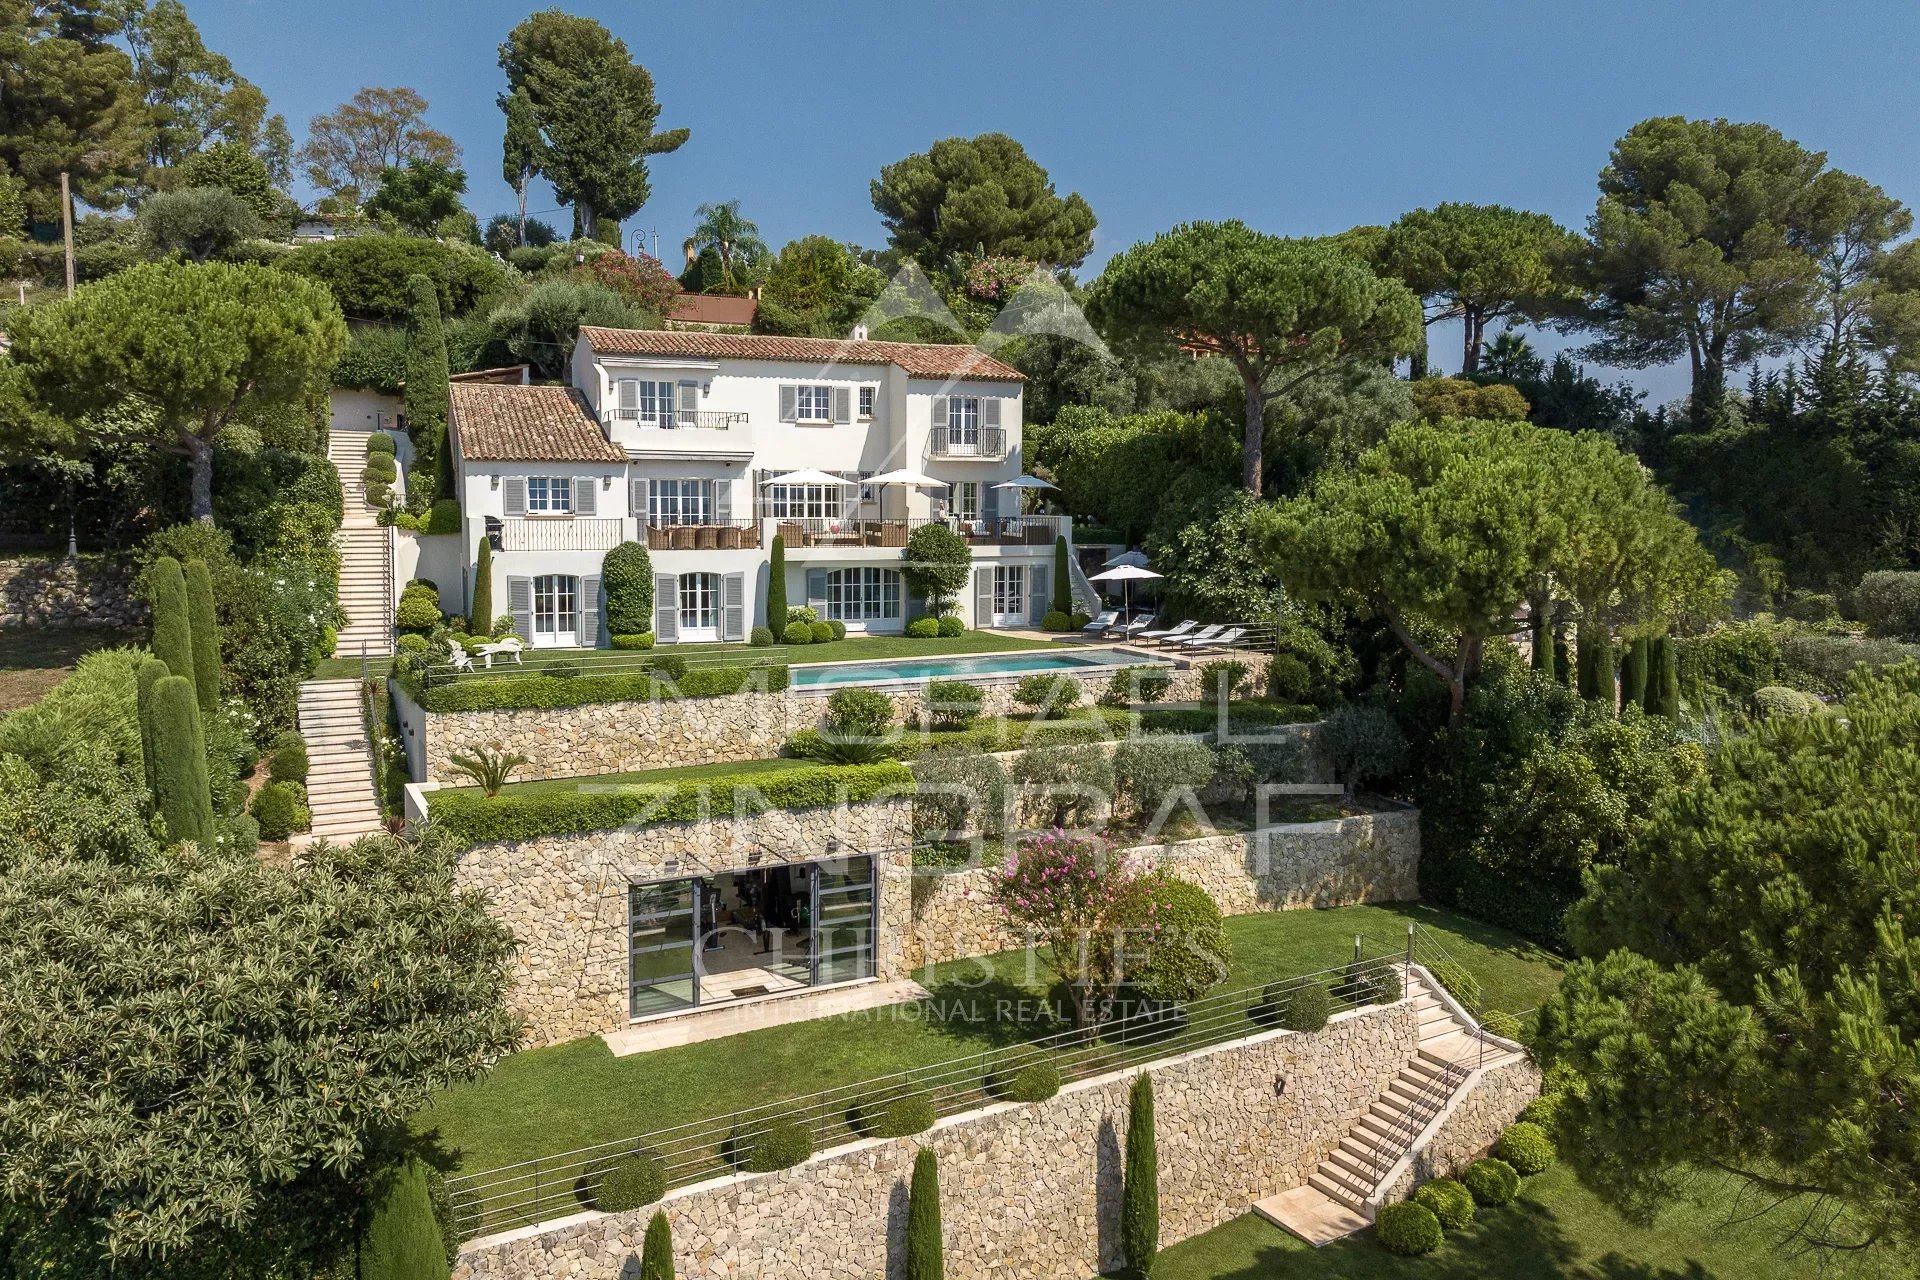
(531,1191)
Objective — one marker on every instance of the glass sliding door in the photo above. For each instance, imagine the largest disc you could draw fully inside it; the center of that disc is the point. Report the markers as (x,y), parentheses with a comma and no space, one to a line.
(843,912)
(660,941)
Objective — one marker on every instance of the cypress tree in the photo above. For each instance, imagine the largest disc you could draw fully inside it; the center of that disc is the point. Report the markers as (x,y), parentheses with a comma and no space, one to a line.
(1663,680)
(1562,659)
(1596,665)
(1062,584)
(656,1251)
(426,369)
(205,629)
(403,1239)
(151,672)
(1140,1202)
(926,1256)
(1633,672)
(480,616)
(172,625)
(1541,633)
(777,587)
(180,760)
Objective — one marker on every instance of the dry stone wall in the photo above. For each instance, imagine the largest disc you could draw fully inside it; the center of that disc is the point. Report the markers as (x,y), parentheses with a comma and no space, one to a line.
(1372,857)
(621,737)
(48,591)
(1028,1192)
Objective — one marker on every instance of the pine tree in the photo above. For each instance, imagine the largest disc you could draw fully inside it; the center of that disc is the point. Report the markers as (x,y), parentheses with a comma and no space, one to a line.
(480,616)
(1633,672)
(777,587)
(656,1251)
(179,760)
(172,624)
(403,1239)
(926,1256)
(1062,584)
(1140,1202)
(151,672)
(205,629)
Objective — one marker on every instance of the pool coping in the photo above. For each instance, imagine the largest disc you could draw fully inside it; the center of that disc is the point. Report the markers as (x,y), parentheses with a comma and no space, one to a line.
(1141,657)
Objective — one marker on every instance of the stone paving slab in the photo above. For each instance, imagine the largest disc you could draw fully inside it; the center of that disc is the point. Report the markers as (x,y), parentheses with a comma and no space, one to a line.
(1317,1218)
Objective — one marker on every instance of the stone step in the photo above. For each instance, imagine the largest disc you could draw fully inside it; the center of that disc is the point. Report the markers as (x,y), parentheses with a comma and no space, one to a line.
(1356,1170)
(1377,1156)
(1335,1191)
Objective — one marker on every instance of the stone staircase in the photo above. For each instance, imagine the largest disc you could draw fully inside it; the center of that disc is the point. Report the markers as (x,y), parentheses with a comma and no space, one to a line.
(1342,1195)
(366,581)
(339,760)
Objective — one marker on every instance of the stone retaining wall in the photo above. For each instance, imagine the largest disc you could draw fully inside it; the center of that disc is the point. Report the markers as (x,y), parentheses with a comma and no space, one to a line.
(47,591)
(565,897)
(622,737)
(1373,857)
(1472,1126)
(1025,1190)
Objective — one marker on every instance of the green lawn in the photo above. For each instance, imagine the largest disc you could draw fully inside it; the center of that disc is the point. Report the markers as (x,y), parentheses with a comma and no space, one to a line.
(34,659)
(641,777)
(349,668)
(1556,1229)
(853,648)
(551,1100)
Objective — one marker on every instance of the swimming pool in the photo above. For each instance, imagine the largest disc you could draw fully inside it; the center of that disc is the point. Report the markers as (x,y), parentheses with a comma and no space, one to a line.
(962,667)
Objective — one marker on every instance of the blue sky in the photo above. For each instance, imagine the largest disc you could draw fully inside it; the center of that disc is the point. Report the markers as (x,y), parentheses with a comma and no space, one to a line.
(1299,119)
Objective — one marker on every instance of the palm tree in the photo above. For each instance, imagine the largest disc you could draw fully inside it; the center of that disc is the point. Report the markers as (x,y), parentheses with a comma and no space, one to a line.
(734,238)
(1509,355)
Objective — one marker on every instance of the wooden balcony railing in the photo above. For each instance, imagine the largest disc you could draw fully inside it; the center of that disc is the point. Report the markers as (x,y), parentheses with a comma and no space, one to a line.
(720,535)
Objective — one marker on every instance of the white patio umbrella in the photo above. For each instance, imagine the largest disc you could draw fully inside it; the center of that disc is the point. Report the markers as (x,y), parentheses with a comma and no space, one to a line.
(1138,559)
(1025,482)
(1126,575)
(807,477)
(913,478)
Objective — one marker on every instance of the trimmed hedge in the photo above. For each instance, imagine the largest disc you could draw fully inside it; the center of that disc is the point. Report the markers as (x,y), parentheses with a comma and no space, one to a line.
(950,626)
(797,633)
(1451,1202)
(1307,1009)
(1408,1229)
(631,1182)
(923,629)
(1527,1148)
(472,818)
(896,1117)
(776,1145)
(289,762)
(547,693)
(1035,1082)
(1491,1181)
(642,640)
(1240,716)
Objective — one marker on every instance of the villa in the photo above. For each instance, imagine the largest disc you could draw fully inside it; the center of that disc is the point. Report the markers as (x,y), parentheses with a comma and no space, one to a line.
(706,447)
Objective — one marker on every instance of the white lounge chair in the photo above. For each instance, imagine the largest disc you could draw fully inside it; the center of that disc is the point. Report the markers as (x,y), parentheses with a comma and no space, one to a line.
(1199,637)
(1102,623)
(503,648)
(458,657)
(1221,640)
(1134,629)
(1170,633)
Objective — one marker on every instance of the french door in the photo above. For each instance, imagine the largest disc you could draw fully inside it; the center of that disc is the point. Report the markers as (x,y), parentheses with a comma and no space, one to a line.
(556,610)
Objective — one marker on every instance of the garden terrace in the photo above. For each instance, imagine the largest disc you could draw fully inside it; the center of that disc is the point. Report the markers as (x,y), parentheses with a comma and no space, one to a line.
(578,1095)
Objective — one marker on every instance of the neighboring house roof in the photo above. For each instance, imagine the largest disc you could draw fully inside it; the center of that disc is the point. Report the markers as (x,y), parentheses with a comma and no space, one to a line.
(502,423)
(508,374)
(919,360)
(712,308)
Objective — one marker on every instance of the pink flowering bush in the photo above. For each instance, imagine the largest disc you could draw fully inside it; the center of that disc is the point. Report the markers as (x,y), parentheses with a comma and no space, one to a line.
(995,279)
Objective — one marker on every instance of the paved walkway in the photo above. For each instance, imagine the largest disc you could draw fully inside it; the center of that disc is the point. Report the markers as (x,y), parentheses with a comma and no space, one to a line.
(365,584)
(339,761)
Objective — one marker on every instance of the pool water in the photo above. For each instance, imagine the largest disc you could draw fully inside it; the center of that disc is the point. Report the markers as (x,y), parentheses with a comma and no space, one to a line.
(959,668)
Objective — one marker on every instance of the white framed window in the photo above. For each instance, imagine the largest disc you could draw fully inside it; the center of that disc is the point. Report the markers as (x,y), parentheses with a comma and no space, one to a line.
(680,502)
(699,605)
(804,501)
(550,494)
(644,401)
(866,401)
(963,500)
(963,420)
(863,595)
(812,403)
(556,609)
(1009,590)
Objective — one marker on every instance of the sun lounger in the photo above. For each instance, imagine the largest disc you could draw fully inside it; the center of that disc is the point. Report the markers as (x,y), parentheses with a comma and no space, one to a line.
(1221,640)
(1171,633)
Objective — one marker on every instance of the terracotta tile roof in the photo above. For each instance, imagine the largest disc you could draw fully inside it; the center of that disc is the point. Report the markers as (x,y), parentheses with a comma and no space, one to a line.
(920,360)
(503,423)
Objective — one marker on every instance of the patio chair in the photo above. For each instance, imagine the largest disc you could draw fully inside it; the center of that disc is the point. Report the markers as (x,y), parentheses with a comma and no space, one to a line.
(1133,630)
(503,648)
(459,657)
(1184,631)
(1101,624)
(1220,640)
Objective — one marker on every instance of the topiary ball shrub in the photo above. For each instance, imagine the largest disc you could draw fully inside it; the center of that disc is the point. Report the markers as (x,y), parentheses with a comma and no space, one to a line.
(923,629)
(381,466)
(1778,700)
(1527,1148)
(417,612)
(896,1117)
(1056,621)
(777,1144)
(289,758)
(276,807)
(797,633)
(951,626)
(1079,620)
(1370,982)
(380,442)
(1491,1181)
(1034,1082)
(760,637)
(644,640)
(836,629)
(822,632)
(1408,1229)
(631,1182)
(1306,1009)
(1450,1202)
(413,643)
(859,714)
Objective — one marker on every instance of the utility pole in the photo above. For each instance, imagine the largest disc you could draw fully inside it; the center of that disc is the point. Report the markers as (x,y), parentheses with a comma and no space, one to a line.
(66,222)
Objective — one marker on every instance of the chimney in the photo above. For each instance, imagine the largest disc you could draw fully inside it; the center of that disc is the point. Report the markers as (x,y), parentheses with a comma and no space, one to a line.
(859,333)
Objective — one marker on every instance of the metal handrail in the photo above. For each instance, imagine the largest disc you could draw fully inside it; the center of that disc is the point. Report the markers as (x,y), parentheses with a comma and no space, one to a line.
(990,443)
(529,1191)
(683,419)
